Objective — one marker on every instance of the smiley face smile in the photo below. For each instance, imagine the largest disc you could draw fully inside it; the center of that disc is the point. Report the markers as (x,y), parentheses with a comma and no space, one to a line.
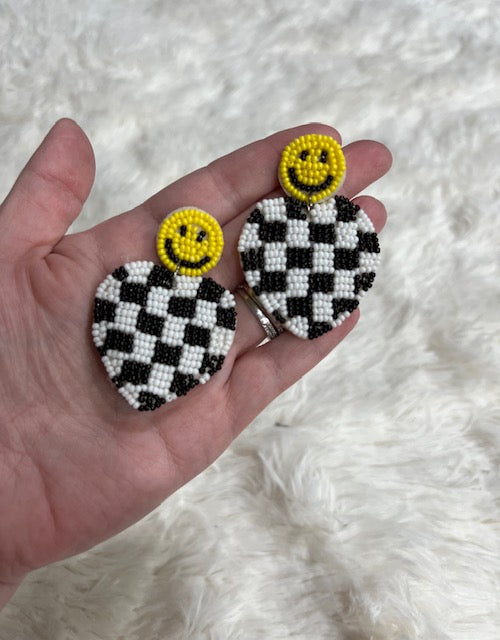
(184,263)
(308,188)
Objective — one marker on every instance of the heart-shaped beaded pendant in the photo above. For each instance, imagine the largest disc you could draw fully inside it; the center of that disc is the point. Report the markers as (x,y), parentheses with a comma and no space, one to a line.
(162,330)
(311,256)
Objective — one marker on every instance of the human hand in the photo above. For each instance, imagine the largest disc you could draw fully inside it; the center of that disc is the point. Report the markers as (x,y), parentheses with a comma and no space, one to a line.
(77,463)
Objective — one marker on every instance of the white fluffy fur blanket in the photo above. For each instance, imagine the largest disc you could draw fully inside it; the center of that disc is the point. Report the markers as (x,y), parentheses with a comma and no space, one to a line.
(363,504)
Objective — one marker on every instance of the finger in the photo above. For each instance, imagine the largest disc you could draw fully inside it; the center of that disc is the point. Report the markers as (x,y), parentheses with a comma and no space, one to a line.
(232,183)
(49,193)
(366,161)
(262,374)
(131,236)
(224,188)
(249,332)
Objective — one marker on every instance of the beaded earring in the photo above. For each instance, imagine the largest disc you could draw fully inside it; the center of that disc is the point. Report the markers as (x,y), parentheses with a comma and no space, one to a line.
(163,329)
(310,256)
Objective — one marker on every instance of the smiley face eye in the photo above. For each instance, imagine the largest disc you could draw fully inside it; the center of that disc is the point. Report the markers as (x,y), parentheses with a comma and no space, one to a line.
(303,154)
(201,236)
(183,230)
(323,157)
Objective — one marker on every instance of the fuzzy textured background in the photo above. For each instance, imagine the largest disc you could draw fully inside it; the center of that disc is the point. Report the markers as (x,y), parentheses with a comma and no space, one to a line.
(364,503)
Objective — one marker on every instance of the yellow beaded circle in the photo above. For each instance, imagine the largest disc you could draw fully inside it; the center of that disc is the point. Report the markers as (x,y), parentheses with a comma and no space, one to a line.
(189,241)
(312,168)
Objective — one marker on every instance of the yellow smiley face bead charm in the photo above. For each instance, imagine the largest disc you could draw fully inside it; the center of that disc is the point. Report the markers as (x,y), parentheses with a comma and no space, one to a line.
(308,258)
(161,330)
(189,241)
(312,168)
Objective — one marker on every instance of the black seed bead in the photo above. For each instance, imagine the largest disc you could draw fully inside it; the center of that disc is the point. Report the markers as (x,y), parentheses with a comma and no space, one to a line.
(134,372)
(209,290)
(346,210)
(256,216)
(211,364)
(324,233)
(167,354)
(299,257)
(149,401)
(363,281)
(134,292)
(104,310)
(182,383)
(272,281)
(253,259)
(149,323)
(346,259)
(118,341)
(317,329)
(182,307)
(197,336)
(299,307)
(226,318)
(295,209)
(160,277)
(343,304)
(368,242)
(279,317)
(322,282)
(120,274)
(272,231)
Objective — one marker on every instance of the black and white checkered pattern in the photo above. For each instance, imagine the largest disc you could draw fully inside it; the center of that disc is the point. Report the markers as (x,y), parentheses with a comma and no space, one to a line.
(159,335)
(309,269)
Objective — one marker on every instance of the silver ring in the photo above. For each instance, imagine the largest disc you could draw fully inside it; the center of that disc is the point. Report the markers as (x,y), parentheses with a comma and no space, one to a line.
(253,303)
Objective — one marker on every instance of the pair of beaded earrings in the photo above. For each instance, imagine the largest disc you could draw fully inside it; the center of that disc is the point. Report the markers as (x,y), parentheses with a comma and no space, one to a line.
(307,259)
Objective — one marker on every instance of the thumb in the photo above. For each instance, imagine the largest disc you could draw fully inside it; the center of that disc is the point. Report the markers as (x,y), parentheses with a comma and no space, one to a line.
(49,193)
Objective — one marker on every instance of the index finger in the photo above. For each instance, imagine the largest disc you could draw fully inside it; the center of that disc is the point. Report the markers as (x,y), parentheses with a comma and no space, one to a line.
(224,188)
(230,184)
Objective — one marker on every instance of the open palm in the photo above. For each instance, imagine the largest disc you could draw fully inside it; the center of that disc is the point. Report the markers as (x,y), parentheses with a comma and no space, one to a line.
(77,463)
